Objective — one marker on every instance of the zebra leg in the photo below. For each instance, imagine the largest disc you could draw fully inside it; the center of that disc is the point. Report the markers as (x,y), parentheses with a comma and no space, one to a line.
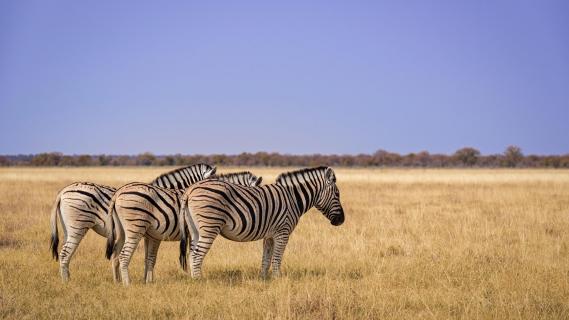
(145,258)
(72,240)
(116,268)
(280,243)
(126,254)
(151,251)
(268,246)
(115,259)
(199,248)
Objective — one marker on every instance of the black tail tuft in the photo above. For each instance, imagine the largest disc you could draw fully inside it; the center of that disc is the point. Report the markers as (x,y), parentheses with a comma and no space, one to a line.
(54,240)
(53,246)
(109,251)
(184,234)
(183,256)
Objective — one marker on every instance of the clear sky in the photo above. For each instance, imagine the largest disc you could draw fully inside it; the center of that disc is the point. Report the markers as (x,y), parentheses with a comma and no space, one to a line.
(124,77)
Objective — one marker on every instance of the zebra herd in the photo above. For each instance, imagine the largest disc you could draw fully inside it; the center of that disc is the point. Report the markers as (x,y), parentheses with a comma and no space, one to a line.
(192,205)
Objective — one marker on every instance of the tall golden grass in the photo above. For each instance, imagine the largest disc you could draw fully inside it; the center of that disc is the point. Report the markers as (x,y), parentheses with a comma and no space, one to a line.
(416,244)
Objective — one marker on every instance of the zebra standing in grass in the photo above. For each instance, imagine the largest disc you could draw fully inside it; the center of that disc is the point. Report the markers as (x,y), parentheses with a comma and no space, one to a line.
(83,205)
(270,212)
(139,210)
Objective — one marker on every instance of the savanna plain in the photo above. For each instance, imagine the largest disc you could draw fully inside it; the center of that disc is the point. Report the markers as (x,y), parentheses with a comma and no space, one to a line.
(448,243)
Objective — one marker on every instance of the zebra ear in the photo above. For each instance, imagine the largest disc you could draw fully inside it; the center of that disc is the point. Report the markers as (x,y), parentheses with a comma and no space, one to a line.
(210,172)
(258,181)
(330,176)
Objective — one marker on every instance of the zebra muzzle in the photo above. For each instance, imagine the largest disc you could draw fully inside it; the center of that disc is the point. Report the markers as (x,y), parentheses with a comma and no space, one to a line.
(337,220)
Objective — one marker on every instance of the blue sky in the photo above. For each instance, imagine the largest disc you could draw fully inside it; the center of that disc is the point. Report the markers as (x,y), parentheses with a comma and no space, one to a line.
(124,77)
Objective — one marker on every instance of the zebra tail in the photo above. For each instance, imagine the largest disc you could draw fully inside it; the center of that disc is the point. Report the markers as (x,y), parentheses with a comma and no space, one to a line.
(110,228)
(54,241)
(184,234)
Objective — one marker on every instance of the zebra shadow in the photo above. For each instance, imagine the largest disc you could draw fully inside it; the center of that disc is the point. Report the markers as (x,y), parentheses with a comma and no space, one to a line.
(238,276)
(311,273)
(233,276)
(305,273)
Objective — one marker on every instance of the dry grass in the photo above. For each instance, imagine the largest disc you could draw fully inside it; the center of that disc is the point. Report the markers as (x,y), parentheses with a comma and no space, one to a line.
(416,244)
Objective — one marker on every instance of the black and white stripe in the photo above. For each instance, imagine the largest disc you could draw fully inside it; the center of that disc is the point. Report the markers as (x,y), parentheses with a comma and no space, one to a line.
(184,177)
(139,210)
(82,206)
(270,212)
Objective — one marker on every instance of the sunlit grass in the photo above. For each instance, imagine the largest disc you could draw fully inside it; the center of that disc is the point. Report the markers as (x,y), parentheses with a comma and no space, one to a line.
(416,244)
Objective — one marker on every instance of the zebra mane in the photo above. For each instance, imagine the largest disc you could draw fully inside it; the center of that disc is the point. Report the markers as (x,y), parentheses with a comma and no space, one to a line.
(282,178)
(244,178)
(232,175)
(179,176)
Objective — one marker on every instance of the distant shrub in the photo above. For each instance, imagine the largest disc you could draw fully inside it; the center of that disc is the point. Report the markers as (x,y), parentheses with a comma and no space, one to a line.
(464,157)
(467,157)
(513,156)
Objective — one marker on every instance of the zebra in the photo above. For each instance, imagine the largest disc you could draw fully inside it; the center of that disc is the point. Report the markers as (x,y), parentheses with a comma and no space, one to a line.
(83,205)
(139,210)
(270,212)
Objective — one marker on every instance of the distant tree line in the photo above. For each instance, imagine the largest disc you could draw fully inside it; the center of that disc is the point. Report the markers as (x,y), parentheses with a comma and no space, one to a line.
(512,157)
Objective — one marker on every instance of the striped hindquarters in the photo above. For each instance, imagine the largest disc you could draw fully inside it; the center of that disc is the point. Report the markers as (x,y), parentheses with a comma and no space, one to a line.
(148,210)
(84,205)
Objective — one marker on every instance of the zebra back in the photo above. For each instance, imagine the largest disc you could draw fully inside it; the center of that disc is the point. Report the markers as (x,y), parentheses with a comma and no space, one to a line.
(184,177)
(244,178)
(312,175)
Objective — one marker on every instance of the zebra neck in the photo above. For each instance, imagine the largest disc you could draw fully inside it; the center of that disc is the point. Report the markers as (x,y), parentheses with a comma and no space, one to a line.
(304,196)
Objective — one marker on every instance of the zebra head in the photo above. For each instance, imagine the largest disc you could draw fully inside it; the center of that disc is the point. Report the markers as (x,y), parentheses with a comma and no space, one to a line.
(244,178)
(328,202)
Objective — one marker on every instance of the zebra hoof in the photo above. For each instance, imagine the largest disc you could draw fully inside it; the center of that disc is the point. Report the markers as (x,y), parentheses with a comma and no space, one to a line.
(264,276)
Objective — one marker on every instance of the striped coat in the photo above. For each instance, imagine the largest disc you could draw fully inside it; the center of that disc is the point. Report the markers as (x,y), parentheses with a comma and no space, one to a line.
(83,206)
(269,212)
(143,211)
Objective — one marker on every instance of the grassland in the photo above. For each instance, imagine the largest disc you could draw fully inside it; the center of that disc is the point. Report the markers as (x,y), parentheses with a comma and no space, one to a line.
(416,244)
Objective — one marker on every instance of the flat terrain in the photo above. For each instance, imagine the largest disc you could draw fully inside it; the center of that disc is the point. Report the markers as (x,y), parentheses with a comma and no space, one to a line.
(416,244)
